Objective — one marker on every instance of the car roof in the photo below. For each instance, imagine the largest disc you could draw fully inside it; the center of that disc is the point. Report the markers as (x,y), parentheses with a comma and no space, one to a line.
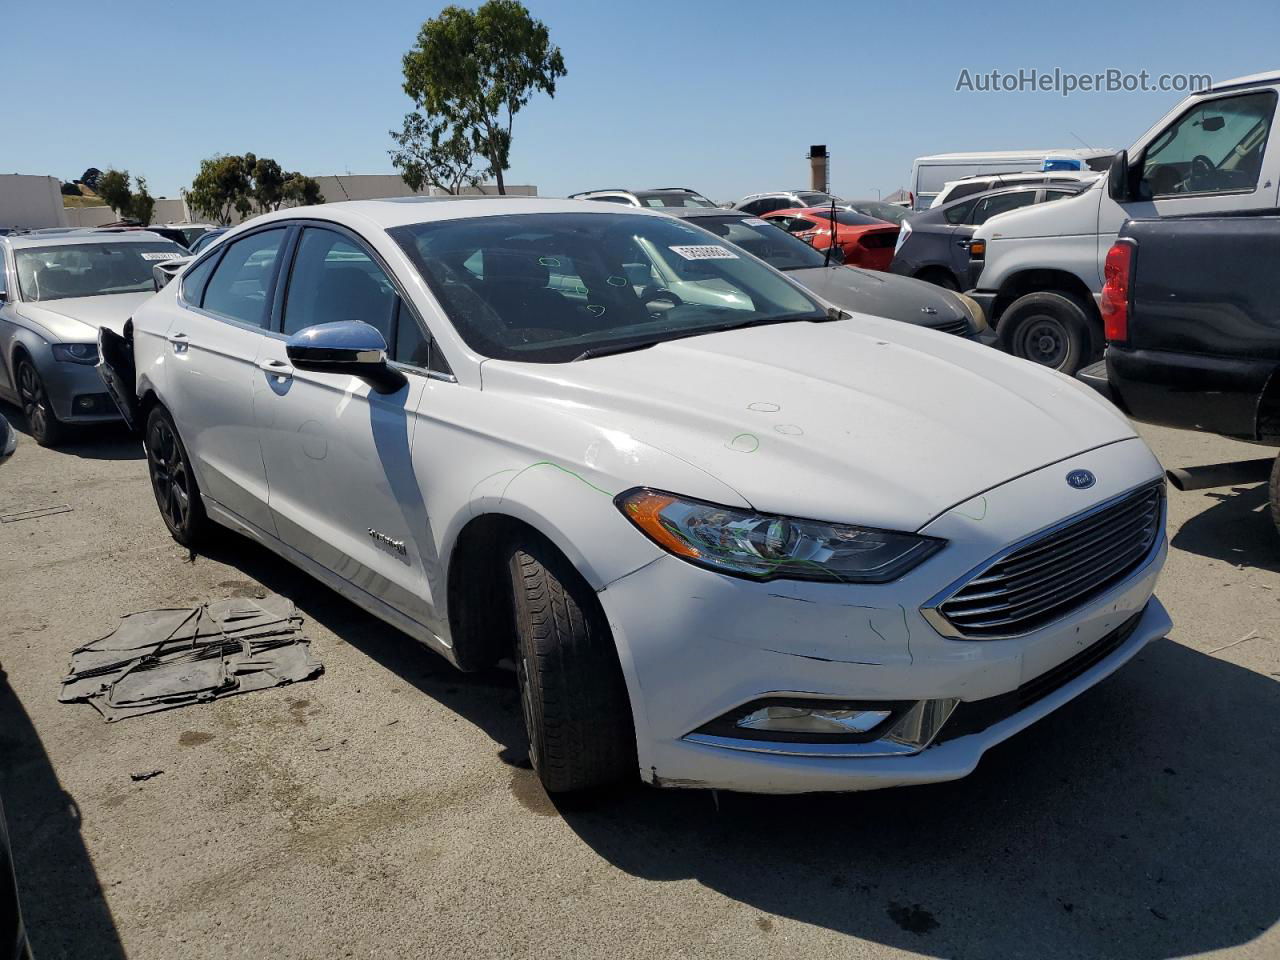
(1269,76)
(22,240)
(403,211)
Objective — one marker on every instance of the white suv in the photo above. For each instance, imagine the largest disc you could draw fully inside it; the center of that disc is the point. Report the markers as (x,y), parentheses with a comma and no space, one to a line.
(742,541)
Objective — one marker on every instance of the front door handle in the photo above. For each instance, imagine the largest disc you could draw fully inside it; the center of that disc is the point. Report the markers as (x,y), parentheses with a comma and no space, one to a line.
(279,369)
(179,342)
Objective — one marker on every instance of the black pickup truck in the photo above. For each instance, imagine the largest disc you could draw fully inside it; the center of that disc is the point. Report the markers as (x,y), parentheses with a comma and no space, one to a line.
(1191,309)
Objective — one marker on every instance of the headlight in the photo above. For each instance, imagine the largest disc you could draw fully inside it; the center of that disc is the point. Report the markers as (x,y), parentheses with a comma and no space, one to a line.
(75,352)
(766,547)
(974,309)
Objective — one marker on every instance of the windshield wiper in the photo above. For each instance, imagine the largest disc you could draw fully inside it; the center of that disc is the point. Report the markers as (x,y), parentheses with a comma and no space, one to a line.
(606,351)
(830,314)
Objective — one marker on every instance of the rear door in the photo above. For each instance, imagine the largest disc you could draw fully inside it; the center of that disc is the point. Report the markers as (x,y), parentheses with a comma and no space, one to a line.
(343,488)
(211,357)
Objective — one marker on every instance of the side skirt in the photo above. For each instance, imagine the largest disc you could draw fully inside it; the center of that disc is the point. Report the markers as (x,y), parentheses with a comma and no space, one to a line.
(366,601)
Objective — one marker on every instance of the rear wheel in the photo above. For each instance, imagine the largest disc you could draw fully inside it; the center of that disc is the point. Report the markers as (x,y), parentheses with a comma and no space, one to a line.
(173,482)
(45,427)
(1051,329)
(572,692)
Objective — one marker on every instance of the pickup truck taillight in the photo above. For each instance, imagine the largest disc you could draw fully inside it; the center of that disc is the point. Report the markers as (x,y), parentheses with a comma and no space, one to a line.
(1115,291)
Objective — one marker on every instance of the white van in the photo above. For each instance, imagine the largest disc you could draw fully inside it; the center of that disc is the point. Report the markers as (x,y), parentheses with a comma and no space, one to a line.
(1038,271)
(930,174)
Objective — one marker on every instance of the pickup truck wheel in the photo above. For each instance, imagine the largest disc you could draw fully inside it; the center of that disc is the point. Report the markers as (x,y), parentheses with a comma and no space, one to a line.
(173,482)
(1275,494)
(46,429)
(1051,329)
(572,692)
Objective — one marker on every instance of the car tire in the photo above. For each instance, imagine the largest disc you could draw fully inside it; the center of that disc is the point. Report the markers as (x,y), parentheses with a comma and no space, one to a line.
(572,692)
(1275,494)
(42,423)
(173,482)
(1049,328)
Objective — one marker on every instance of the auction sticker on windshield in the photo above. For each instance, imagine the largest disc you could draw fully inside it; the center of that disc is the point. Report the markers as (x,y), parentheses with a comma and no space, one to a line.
(149,255)
(755,222)
(707,252)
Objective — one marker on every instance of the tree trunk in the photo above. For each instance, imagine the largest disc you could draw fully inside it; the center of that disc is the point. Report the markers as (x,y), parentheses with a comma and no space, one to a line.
(502,187)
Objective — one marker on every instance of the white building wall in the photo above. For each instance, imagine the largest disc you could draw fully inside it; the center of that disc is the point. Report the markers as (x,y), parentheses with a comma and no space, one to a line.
(30,201)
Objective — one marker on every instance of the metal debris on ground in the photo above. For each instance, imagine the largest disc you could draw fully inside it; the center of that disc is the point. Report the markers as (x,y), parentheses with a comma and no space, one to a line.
(160,659)
(35,514)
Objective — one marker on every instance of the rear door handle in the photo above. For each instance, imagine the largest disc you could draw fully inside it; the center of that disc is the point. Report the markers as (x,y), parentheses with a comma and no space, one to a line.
(276,368)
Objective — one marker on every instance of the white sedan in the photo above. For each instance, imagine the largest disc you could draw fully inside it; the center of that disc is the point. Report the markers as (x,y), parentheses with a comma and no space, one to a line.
(748,543)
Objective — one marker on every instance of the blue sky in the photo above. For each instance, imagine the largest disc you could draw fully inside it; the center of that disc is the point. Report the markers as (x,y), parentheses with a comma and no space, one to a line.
(721,96)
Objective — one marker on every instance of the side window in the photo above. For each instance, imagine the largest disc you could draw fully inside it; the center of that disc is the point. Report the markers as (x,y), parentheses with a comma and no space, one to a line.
(1216,147)
(335,279)
(754,208)
(194,279)
(988,207)
(961,212)
(1056,195)
(799,225)
(239,286)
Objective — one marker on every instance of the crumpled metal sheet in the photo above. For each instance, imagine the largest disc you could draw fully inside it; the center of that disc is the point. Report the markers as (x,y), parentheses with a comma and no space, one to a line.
(161,659)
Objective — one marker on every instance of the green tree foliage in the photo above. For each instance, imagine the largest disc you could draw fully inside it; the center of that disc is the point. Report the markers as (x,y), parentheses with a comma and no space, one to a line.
(433,153)
(231,185)
(472,70)
(90,178)
(70,190)
(142,206)
(113,188)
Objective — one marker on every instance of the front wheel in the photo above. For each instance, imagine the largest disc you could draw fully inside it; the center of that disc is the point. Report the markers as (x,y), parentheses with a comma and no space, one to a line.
(1051,329)
(173,481)
(46,429)
(572,692)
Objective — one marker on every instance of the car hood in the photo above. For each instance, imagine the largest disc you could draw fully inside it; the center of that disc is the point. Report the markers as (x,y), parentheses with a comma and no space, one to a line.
(882,294)
(78,318)
(861,421)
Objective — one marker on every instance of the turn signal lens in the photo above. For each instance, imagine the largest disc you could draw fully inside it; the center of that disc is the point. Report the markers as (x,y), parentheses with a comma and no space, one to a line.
(977,249)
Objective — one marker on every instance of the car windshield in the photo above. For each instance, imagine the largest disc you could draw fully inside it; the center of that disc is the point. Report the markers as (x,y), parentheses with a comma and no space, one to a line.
(658,198)
(551,287)
(814,199)
(847,218)
(765,240)
(90,269)
(888,212)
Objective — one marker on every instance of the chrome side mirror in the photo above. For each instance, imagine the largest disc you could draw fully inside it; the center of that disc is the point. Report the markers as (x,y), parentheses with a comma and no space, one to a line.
(349,347)
(8,439)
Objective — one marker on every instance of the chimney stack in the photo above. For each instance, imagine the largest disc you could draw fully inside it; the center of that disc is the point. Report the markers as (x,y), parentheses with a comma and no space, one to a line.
(819,172)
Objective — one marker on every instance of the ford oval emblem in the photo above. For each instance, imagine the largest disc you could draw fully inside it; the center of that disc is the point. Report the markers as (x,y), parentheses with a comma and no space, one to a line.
(1081,479)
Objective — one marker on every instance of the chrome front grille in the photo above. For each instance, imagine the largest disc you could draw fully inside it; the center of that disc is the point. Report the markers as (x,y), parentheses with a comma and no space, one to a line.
(1055,572)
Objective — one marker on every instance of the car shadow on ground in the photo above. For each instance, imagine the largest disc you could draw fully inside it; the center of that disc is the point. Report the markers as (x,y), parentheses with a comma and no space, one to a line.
(99,441)
(62,899)
(1237,528)
(1138,821)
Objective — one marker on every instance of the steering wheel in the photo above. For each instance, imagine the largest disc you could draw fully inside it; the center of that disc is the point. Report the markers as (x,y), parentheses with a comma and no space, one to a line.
(653,292)
(1201,168)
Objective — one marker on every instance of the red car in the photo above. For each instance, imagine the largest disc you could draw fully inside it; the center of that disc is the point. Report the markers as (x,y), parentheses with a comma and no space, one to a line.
(865,241)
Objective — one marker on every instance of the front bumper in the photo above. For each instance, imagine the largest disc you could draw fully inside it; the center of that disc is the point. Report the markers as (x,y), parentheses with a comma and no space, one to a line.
(696,645)
(75,390)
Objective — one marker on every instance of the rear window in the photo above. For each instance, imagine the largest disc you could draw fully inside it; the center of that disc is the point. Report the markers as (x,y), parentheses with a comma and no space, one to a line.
(846,218)
(675,199)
